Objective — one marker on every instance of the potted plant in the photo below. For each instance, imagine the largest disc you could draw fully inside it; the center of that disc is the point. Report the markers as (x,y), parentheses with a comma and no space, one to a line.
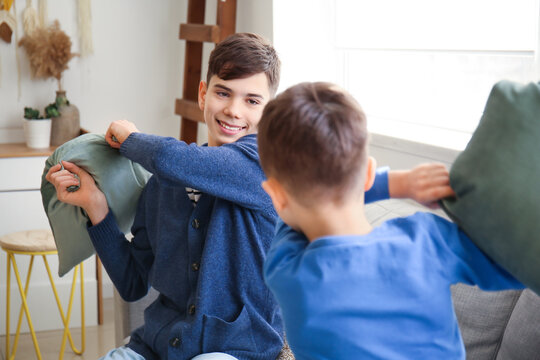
(51,111)
(37,129)
(49,51)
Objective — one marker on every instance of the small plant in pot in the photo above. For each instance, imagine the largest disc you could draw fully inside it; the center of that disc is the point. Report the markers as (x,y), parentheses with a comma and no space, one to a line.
(49,50)
(51,111)
(37,129)
(32,114)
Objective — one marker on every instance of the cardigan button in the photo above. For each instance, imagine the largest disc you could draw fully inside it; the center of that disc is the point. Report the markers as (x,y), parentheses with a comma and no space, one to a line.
(195,266)
(174,342)
(191,309)
(195,223)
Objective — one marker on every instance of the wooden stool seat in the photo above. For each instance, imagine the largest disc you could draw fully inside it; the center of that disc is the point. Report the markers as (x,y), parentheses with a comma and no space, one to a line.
(29,241)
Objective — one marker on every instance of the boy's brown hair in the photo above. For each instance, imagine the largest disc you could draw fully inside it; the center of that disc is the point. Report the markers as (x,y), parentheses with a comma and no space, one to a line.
(313,140)
(242,55)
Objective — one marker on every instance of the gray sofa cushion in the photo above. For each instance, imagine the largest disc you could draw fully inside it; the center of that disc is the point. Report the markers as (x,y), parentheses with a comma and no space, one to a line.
(521,340)
(482,318)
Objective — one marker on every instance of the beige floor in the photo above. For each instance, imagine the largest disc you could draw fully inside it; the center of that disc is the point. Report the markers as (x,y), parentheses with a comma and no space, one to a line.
(99,339)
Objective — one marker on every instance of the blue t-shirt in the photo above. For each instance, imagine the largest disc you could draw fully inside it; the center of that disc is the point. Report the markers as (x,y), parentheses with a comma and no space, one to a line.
(384,295)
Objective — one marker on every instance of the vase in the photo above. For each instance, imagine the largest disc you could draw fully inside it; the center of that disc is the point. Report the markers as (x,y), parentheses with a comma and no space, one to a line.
(66,126)
(37,133)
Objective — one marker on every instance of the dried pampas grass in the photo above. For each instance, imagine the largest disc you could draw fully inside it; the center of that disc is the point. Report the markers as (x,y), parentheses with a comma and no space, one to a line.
(49,51)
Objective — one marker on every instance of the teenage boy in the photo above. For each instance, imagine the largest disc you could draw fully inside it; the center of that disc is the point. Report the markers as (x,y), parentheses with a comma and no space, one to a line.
(346,290)
(204,253)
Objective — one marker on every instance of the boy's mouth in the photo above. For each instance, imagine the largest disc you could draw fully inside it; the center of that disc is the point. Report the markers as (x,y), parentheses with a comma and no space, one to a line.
(230,129)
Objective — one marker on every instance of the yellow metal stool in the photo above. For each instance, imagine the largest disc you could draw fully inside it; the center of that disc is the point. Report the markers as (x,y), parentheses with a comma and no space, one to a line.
(34,243)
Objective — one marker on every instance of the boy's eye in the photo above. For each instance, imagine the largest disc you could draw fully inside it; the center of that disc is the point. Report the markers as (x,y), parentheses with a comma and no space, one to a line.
(222,93)
(252,101)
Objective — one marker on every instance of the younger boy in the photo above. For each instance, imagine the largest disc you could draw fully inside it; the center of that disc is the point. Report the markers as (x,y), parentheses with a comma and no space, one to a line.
(348,291)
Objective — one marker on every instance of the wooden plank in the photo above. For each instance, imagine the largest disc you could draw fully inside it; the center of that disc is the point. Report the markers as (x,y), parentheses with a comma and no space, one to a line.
(21,150)
(99,279)
(189,130)
(199,32)
(189,109)
(192,69)
(11,150)
(226,18)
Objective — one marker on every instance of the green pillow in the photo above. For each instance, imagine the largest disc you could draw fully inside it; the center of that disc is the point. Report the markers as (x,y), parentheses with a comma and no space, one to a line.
(120,179)
(497,182)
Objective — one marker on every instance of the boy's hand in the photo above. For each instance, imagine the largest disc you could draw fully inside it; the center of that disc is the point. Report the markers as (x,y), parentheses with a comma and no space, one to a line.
(426,183)
(88,197)
(118,132)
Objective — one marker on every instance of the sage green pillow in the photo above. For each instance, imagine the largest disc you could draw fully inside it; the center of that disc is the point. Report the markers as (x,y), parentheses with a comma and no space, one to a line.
(120,179)
(497,182)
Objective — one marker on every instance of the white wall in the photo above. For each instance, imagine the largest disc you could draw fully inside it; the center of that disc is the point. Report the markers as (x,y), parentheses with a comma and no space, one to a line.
(135,72)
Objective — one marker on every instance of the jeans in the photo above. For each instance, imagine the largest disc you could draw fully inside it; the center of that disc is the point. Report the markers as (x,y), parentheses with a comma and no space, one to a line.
(125,353)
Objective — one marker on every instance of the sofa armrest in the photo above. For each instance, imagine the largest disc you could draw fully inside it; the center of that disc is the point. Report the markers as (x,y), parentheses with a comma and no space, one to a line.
(521,339)
(482,318)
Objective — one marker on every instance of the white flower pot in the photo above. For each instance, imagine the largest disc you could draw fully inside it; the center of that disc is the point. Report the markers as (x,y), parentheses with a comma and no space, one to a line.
(37,133)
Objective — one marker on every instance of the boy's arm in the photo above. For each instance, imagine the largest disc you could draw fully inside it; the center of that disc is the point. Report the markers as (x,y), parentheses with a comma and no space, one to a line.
(466,262)
(128,263)
(88,196)
(231,171)
(426,184)
(380,189)
(287,246)
(128,273)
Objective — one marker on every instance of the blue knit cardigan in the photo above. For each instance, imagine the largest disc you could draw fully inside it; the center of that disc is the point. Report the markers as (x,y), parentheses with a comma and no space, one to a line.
(205,261)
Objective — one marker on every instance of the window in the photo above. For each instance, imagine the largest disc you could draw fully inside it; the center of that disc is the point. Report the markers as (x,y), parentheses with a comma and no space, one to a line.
(421,69)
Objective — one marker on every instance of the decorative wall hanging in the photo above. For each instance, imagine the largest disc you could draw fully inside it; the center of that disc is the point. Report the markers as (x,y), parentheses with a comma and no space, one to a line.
(8,26)
(17,57)
(7,21)
(85,28)
(30,18)
(49,51)
(42,12)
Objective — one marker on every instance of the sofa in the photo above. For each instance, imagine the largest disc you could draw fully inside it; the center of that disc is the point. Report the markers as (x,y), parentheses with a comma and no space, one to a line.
(503,325)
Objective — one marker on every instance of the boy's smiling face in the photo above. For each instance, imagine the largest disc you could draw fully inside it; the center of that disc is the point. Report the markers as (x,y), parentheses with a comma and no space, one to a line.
(233,108)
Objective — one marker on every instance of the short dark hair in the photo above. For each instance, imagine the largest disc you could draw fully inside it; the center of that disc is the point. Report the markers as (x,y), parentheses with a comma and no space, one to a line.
(313,140)
(242,55)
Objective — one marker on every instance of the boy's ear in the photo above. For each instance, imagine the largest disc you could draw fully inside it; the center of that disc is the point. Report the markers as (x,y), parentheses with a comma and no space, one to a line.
(202,94)
(370,173)
(276,192)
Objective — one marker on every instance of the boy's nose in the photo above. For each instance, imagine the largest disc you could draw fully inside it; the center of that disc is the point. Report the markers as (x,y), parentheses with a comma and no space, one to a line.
(233,109)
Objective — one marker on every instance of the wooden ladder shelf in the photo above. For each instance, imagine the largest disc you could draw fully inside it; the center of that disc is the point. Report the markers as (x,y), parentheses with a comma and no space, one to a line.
(195,32)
